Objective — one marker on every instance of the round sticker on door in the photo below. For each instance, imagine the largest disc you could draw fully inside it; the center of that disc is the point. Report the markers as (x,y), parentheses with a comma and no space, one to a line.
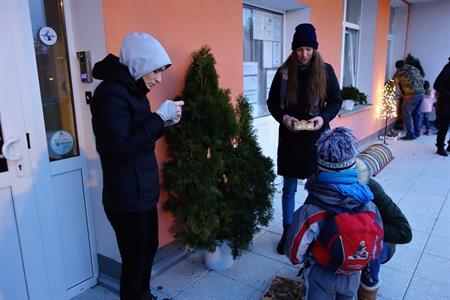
(48,35)
(61,142)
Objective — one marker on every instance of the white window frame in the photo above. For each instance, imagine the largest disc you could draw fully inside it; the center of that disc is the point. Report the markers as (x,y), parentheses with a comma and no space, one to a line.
(390,39)
(348,25)
(390,56)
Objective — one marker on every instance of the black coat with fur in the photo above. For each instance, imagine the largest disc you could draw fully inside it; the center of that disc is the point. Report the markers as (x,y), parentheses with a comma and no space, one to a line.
(296,150)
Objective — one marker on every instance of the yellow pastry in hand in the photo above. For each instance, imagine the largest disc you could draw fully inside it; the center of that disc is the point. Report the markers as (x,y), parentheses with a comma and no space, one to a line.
(303,125)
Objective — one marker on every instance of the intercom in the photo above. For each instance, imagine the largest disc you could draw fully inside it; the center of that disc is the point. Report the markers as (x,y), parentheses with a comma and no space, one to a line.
(84,58)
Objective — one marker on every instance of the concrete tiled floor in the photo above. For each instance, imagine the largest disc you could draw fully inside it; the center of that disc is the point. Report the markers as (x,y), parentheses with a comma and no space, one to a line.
(417,180)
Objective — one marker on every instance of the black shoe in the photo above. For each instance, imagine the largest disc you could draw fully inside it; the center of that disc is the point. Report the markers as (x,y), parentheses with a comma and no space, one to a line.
(282,242)
(448,147)
(408,138)
(441,151)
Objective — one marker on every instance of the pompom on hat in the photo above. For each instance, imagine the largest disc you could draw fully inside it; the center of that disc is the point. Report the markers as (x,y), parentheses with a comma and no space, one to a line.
(337,149)
(304,36)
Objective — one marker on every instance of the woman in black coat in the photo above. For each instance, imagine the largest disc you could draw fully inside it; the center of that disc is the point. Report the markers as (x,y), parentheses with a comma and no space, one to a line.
(304,88)
(125,131)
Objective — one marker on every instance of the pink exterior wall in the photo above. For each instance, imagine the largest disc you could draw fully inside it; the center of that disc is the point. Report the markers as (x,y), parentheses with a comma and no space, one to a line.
(326,16)
(181,26)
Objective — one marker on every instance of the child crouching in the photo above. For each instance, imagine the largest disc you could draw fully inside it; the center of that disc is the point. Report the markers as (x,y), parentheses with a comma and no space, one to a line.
(338,230)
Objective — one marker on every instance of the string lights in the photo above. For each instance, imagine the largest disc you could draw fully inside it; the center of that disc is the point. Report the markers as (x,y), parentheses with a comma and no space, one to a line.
(388,107)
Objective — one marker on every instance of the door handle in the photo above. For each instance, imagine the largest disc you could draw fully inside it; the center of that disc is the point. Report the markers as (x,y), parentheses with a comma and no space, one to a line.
(6,147)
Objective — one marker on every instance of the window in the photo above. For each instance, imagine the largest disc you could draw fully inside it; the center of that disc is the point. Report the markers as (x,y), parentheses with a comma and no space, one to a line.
(352,17)
(263,44)
(390,48)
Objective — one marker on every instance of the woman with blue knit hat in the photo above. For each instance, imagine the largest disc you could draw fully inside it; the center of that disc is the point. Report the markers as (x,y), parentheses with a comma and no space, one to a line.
(304,98)
(126,131)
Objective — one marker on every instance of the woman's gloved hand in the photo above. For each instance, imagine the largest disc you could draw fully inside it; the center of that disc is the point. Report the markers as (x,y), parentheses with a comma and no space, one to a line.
(170,111)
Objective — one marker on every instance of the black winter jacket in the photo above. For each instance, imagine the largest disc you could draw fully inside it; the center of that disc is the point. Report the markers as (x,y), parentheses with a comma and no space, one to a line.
(297,155)
(442,83)
(125,133)
(442,86)
(395,225)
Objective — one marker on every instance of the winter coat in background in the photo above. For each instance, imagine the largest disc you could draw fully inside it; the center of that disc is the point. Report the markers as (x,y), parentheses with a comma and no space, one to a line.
(409,80)
(442,83)
(297,155)
(125,131)
(427,103)
(442,86)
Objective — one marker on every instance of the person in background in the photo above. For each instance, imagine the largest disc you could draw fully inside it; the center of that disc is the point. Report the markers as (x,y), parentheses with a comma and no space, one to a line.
(410,83)
(427,106)
(396,231)
(304,88)
(126,131)
(442,86)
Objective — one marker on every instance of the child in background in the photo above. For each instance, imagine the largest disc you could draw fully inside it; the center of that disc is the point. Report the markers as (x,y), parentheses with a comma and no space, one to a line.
(338,230)
(396,231)
(427,106)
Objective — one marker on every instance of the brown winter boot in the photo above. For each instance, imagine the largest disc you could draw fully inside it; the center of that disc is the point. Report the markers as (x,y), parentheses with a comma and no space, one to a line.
(367,293)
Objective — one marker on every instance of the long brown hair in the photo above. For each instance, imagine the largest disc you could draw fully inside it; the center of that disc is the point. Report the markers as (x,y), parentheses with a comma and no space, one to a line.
(317,88)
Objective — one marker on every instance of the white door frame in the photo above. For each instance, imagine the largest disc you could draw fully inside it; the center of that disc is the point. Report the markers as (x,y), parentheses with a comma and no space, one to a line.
(79,100)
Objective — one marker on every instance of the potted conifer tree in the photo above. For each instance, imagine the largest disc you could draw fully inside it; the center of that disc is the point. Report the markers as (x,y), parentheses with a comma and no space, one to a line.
(220,184)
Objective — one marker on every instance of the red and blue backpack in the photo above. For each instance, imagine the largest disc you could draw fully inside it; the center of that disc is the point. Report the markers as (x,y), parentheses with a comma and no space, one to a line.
(348,241)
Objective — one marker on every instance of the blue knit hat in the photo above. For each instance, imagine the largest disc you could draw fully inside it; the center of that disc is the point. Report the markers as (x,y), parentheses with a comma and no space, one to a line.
(304,36)
(337,149)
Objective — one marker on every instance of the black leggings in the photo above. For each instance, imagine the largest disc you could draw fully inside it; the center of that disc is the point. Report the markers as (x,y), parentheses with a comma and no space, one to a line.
(137,238)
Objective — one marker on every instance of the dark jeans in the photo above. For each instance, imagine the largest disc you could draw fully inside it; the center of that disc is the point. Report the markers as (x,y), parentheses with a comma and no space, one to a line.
(288,198)
(443,118)
(137,238)
(411,115)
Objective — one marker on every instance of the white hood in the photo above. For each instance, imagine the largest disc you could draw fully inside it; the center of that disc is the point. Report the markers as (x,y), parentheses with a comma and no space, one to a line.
(142,54)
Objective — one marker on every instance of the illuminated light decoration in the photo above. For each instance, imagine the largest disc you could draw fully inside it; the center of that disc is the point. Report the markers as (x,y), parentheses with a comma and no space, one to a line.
(388,107)
(234,142)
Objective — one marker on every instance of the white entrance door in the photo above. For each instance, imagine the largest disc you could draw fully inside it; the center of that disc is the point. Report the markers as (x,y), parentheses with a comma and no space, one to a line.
(46,240)
(23,272)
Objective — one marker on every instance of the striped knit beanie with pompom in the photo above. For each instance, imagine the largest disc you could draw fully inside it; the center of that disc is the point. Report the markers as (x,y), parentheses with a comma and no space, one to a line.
(337,149)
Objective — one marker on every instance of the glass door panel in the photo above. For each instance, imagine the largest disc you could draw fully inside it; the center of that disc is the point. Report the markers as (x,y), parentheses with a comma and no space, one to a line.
(47,17)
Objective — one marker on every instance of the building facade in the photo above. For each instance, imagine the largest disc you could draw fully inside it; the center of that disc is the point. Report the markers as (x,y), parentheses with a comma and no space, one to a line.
(52,225)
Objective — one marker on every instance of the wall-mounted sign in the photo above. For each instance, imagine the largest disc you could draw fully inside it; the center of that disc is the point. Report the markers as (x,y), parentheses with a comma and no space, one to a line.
(48,35)
(250,68)
(61,142)
(266,26)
